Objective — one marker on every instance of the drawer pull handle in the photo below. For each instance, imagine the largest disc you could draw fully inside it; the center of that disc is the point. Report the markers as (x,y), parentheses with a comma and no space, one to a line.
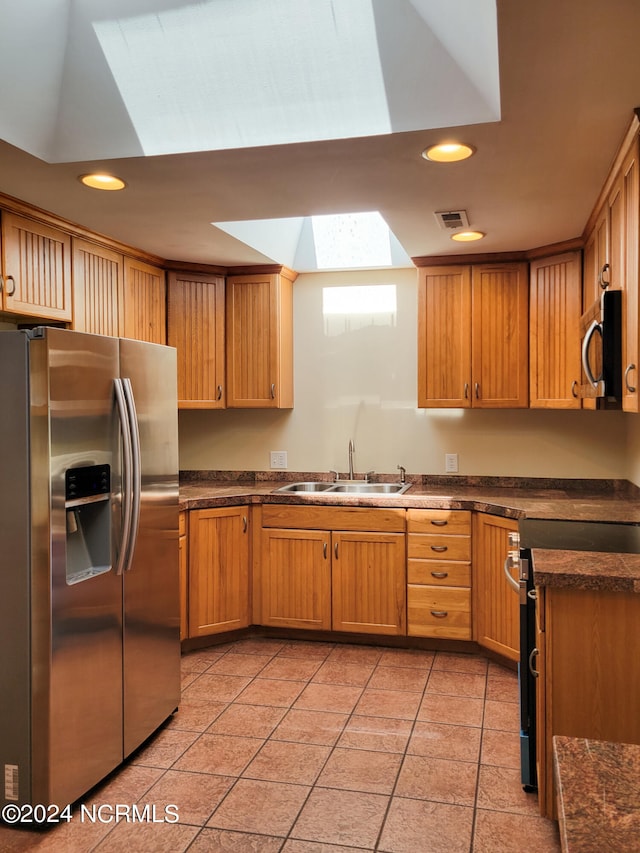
(440,548)
(439,523)
(244,524)
(219,394)
(324,550)
(439,574)
(439,614)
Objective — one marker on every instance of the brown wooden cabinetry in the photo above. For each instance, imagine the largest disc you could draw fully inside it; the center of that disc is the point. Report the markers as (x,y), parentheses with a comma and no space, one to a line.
(631,283)
(183,551)
(473,336)
(591,673)
(555,294)
(144,311)
(259,328)
(332,567)
(439,574)
(98,280)
(196,328)
(495,603)
(36,269)
(218,570)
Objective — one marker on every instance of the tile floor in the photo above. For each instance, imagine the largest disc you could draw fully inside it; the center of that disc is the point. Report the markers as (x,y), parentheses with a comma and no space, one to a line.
(300,747)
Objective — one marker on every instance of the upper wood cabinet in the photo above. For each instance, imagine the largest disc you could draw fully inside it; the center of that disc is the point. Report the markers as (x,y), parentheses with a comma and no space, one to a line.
(98,278)
(473,336)
(555,294)
(196,328)
(495,603)
(259,310)
(144,311)
(36,269)
(630,286)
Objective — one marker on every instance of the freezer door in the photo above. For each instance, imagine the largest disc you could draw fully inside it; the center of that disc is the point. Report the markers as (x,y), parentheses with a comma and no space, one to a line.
(151,586)
(76,597)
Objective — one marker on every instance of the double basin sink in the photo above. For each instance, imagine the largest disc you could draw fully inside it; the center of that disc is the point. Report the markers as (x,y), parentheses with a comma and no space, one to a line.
(350,487)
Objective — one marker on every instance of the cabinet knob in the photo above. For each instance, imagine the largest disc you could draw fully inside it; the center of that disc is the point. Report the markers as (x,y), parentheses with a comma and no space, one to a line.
(335,550)
(11,279)
(574,386)
(324,550)
(440,523)
(219,395)
(604,283)
(440,575)
(439,614)
(244,524)
(477,390)
(439,548)
(466,390)
(273,390)
(630,388)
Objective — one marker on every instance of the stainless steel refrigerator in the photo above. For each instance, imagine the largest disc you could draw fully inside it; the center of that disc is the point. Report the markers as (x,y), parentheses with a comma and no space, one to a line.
(89,594)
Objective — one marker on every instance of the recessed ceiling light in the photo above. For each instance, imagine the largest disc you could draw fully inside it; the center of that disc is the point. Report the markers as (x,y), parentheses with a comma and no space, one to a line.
(448,152)
(467,236)
(99,181)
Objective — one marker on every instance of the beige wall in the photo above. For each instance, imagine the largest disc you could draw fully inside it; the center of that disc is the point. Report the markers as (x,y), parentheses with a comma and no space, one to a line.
(356,377)
(633,448)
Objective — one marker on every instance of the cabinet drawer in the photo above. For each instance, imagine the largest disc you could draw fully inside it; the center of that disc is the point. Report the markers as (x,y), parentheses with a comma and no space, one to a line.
(439,573)
(443,612)
(454,521)
(439,547)
(333,518)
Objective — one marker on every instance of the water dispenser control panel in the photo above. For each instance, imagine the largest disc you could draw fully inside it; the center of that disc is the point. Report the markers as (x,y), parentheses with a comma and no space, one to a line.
(92,481)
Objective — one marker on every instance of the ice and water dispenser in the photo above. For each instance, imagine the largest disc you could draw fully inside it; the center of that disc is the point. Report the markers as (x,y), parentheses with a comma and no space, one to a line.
(88,521)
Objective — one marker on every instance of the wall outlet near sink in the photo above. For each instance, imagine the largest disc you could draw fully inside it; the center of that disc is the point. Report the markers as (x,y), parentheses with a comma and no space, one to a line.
(279,459)
(451,463)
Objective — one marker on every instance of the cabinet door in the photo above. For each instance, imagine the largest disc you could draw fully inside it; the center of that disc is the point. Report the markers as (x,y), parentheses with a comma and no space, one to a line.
(495,604)
(369,583)
(444,337)
(36,268)
(631,302)
(294,579)
(555,295)
(145,316)
(195,326)
(183,551)
(259,341)
(500,312)
(218,570)
(97,289)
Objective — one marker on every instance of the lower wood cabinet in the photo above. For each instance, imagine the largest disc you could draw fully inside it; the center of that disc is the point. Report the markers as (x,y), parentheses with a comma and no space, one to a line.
(439,574)
(183,558)
(588,664)
(331,568)
(218,594)
(495,603)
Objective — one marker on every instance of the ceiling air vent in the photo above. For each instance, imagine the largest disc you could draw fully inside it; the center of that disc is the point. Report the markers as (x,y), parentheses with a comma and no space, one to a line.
(451,220)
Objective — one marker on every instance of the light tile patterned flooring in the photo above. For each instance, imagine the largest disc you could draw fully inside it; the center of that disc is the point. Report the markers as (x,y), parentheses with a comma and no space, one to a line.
(301,747)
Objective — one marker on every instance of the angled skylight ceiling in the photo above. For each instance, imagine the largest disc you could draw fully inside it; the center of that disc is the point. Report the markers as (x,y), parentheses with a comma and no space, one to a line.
(123,78)
(337,241)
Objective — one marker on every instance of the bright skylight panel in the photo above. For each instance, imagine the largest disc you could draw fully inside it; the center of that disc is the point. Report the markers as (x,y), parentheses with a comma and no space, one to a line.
(240,73)
(350,240)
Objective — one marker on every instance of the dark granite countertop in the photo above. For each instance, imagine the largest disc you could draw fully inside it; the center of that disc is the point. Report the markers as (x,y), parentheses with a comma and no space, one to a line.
(598,784)
(572,500)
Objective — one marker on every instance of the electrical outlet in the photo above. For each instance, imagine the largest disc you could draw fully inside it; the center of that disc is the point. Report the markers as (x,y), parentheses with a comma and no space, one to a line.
(451,463)
(279,459)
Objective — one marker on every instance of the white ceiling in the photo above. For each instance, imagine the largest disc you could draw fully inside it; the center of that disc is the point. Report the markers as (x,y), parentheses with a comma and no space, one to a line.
(154,91)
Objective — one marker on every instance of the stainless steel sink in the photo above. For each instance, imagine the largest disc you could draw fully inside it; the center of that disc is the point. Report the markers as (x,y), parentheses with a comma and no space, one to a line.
(306,487)
(347,487)
(371,488)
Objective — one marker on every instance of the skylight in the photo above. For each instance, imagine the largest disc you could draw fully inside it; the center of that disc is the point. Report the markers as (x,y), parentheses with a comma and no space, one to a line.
(338,241)
(110,79)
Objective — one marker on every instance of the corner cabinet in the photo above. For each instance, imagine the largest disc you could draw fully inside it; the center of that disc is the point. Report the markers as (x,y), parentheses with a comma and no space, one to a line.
(218,594)
(555,293)
(473,330)
(259,327)
(36,270)
(495,602)
(196,328)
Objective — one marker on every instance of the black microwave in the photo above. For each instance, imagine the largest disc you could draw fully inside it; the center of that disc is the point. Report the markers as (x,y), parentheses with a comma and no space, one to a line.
(601,336)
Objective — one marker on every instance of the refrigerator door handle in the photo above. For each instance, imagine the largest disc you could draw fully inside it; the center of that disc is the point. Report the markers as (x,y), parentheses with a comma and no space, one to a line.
(136,470)
(127,475)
